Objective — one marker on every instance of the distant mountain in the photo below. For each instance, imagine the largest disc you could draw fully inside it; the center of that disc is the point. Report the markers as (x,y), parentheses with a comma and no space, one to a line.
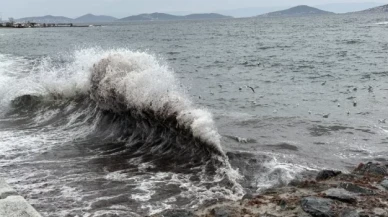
(249,12)
(150,17)
(301,10)
(381,9)
(347,7)
(46,19)
(163,16)
(91,18)
(205,16)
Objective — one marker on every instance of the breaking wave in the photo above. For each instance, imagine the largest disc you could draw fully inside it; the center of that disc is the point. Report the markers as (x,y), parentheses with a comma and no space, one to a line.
(124,103)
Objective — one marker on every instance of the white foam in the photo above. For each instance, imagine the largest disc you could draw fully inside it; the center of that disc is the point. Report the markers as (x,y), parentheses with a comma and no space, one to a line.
(141,78)
(382,23)
(146,84)
(278,173)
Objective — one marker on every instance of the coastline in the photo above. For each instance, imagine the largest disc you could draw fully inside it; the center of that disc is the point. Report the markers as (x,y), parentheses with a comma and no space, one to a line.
(363,192)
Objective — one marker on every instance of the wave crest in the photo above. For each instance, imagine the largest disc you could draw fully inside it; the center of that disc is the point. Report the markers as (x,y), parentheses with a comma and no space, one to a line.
(136,81)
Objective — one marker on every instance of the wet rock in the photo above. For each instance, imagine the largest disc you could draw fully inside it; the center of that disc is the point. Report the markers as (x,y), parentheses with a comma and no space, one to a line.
(223,212)
(327,174)
(17,206)
(349,213)
(176,213)
(371,169)
(341,194)
(317,207)
(380,212)
(384,183)
(6,190)
(248,196)
(355,188)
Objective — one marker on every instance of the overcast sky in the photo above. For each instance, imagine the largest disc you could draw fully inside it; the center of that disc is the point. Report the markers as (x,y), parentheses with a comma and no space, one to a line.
(122,8)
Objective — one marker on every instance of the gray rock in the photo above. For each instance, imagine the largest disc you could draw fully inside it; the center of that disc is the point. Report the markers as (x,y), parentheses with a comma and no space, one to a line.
(16,206)
(327,174)
(341,194)
(6,190)
(247,196)
(349,213)
(223,212)
(317,207)
(176,213)
(355,188)
(384,183)
(371,168)
(380,212)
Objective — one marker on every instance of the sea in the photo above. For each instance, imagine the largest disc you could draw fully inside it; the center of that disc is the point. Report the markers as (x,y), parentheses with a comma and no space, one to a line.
(130,119)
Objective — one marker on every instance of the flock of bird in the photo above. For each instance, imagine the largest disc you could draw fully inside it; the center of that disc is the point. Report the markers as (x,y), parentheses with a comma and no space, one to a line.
(370,90)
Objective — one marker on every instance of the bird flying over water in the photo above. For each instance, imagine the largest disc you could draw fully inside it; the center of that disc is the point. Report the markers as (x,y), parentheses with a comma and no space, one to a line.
(253,90)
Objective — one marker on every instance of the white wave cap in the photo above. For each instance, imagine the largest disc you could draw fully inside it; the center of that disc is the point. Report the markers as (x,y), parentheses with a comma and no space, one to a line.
(139,81)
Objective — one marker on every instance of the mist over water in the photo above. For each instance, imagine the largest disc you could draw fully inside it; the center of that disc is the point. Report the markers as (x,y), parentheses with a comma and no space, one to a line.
(130,119)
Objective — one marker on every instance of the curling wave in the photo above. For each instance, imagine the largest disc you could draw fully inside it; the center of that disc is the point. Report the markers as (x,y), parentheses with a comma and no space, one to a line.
(127,104)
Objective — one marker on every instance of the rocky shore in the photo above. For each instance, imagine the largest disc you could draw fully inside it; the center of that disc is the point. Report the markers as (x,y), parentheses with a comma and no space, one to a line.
(361,193)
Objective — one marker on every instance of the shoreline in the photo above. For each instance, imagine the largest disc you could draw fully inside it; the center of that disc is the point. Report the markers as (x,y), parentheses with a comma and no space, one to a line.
(363,193)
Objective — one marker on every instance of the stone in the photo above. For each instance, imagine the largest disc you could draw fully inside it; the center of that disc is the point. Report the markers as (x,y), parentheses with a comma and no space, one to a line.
(327,174)
(349,213)
(380,212)
(6,190)
(384,183)
(176,213)
(247,196)
(17,206)
(355,188)
(317,207)
(371,169)
(224,212)
(341,195)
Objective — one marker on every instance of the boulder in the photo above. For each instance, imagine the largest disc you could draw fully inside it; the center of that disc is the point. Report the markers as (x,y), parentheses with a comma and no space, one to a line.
(317,207)
(17,206)
(380,212)
(355,188)
(384,183)
(371,169)
(341,195)
(224,212)
(327,174)
(176,213)
(349,213)
(6,190)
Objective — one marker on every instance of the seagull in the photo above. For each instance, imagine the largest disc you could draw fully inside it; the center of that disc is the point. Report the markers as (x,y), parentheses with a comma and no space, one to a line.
(220,85)
(253,90)
(326,116)
(240,88)
(354,103)
(382,121)
(323,83)
(370,89)
(310,112)
(339,105)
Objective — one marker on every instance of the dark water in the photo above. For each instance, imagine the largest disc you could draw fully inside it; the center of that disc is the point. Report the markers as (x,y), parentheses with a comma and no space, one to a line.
(130,119)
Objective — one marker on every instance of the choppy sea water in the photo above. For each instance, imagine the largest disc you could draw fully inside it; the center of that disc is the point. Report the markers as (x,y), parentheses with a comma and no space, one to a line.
(131,119)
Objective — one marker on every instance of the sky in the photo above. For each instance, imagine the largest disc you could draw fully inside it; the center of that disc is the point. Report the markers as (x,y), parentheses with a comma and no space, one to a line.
(123,8)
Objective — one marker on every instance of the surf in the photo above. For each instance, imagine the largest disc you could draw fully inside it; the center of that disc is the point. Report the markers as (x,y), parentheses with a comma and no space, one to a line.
(128,104)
